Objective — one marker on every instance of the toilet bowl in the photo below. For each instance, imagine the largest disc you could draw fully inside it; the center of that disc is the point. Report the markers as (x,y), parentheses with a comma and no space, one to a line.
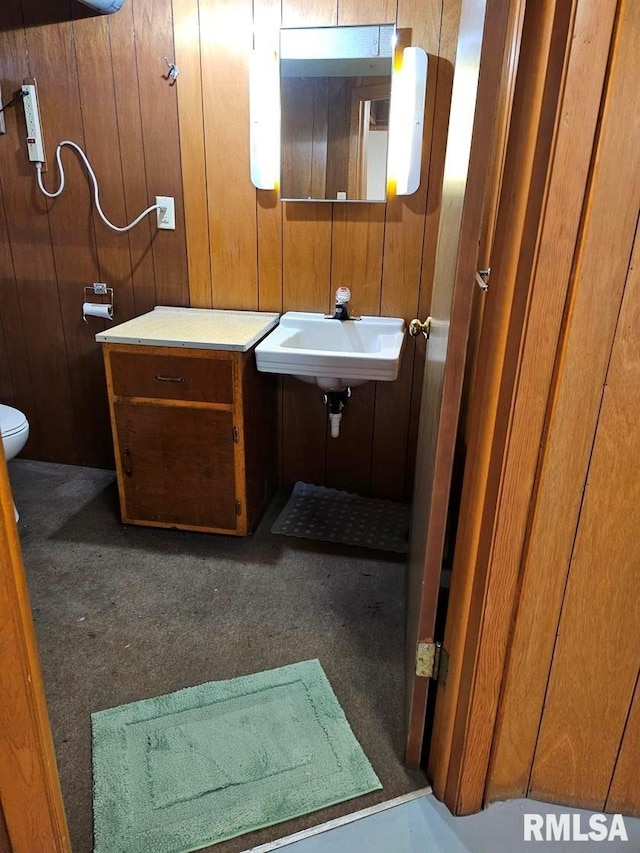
(15,431)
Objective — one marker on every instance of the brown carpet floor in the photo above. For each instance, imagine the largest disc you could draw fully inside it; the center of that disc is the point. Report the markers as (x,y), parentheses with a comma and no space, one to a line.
(124,612)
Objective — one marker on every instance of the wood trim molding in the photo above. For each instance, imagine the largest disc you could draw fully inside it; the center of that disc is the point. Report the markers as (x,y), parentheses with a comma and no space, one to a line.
(564,59)
(29,786)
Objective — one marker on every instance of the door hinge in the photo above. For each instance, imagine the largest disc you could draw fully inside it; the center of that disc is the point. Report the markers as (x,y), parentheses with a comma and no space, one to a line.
(432,661)
(238,508)
(236,439)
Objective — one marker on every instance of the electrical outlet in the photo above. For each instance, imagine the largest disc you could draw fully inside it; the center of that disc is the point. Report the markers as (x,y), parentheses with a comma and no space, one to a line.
(166,212)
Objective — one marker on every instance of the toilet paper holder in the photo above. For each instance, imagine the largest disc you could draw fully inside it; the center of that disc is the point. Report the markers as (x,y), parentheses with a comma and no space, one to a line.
(104,310)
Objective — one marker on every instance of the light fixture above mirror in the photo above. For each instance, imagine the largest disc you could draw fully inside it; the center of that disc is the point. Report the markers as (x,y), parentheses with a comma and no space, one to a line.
(338,115)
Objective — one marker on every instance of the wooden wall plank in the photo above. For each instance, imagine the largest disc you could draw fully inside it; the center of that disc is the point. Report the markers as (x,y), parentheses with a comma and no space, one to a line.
(186,23)
(304,433)
(306,254)
(581,373)
(269,219)
(232,200)
(584,717)
(624,794)
(132,155)
(9,312)
(13,355)
(367,12)
(349,455)
(356,253)
(309,13)
(159,112)
(28,227)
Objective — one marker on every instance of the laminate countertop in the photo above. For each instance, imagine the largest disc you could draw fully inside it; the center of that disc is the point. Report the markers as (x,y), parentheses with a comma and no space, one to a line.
(197,328)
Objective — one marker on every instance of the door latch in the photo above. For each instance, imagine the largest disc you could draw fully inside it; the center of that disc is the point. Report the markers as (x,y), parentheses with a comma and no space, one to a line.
(482,279)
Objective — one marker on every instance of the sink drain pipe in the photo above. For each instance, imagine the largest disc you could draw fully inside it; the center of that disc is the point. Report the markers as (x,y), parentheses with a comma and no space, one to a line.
(336,401)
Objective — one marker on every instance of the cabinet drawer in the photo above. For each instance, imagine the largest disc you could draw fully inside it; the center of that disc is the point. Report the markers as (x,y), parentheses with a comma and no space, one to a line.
(172,377)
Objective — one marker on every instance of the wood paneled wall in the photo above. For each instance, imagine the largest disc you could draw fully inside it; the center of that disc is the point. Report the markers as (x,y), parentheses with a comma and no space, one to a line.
(102,83)
(563,733)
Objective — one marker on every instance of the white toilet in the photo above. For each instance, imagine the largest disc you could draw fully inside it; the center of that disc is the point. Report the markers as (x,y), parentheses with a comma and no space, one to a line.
(15,431)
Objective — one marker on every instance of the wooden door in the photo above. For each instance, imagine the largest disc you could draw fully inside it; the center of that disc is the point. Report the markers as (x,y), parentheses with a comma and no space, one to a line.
(586,753)
(31,809)
(178,465)
(485,33)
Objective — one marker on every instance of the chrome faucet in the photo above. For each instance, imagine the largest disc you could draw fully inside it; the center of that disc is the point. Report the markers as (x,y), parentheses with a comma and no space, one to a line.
(341,310)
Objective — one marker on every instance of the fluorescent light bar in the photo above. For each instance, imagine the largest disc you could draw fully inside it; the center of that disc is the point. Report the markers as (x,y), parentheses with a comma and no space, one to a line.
(264,119)
(406,121)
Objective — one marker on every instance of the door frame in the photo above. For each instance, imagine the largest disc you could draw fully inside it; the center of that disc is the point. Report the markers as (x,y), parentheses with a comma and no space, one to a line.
(565,54)
(32,813)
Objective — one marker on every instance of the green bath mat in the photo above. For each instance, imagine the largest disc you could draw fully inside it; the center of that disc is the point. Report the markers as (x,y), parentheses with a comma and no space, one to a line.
(182,771)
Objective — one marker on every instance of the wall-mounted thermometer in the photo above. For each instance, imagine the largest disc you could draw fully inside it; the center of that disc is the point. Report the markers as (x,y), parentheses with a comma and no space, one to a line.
(35,142)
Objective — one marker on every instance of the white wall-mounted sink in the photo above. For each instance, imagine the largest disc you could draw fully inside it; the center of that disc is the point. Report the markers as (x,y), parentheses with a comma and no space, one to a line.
(334,354)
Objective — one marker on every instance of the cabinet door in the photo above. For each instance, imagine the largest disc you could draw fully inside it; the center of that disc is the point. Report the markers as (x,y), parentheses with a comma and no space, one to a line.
(176,465)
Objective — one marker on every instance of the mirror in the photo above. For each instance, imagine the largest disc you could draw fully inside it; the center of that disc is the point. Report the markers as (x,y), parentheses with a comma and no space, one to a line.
(335,93)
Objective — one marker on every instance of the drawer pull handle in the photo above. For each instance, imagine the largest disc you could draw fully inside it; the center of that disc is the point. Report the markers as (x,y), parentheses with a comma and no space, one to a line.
(126,462)
(171,378)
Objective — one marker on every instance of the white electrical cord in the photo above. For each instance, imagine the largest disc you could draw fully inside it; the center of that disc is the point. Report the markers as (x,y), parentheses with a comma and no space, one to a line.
(95,186)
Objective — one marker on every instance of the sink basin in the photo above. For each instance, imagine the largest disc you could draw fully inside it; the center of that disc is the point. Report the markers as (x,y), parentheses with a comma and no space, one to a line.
(333,354)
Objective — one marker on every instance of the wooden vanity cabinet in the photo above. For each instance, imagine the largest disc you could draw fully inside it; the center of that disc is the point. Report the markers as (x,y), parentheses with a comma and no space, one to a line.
(194,434)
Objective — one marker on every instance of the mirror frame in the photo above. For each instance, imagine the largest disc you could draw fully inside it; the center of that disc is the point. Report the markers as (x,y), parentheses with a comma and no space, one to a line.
(406,121)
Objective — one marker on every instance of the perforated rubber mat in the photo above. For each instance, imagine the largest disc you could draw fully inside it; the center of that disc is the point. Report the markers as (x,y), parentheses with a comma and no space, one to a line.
(317,512)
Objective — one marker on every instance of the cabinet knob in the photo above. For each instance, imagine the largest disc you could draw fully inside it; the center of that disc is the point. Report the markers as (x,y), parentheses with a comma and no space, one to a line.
(126,462)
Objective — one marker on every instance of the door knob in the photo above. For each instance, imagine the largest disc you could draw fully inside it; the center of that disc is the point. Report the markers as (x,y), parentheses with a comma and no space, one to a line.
(415,327)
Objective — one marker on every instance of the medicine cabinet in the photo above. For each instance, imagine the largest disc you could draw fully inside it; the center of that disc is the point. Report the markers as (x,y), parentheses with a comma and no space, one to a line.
(337,114)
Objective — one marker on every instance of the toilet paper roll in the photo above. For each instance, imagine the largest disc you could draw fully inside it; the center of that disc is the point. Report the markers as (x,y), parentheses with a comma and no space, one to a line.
(97,309)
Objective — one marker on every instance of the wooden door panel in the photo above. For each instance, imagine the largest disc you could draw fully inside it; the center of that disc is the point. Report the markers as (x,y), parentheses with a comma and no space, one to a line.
(597,655)
(483,27)
(178,465)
